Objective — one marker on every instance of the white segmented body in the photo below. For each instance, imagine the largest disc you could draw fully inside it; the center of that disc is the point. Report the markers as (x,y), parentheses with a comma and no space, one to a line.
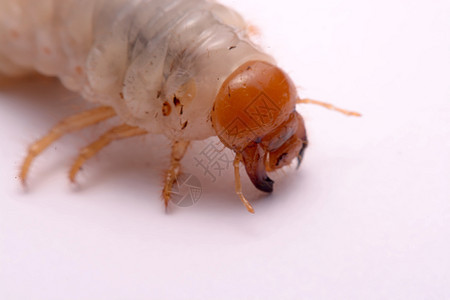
(133,55)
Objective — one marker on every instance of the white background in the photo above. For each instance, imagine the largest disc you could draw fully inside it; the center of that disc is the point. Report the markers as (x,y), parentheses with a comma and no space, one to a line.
(367,216)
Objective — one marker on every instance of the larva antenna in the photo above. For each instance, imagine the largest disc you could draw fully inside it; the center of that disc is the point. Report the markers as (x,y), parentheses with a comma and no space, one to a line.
(329,106)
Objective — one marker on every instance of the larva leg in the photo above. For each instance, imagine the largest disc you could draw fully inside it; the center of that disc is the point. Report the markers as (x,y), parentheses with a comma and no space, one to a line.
(178,150)
(70,124)
(238,186)
(329,106)
(116,133)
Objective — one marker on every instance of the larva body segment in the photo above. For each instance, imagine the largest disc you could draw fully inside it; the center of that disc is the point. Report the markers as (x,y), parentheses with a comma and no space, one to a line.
(140,57)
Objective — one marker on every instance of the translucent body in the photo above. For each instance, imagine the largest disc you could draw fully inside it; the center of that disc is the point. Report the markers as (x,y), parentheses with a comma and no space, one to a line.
(142,57)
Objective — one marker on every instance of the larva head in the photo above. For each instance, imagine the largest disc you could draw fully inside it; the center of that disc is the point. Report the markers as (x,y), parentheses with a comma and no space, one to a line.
(254,114)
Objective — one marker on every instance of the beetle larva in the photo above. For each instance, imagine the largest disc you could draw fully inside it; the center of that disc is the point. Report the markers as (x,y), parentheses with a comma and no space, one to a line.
(182,68)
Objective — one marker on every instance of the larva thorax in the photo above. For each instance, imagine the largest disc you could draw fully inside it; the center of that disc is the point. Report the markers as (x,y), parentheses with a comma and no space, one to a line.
(172,58)
(183,68)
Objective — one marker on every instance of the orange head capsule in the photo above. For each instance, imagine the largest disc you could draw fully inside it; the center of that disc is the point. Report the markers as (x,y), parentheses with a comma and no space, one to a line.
(254,115)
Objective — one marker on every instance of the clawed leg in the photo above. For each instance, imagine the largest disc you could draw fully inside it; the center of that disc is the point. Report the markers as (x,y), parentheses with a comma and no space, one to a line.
(329,106)
(238,186)
(116,133)
(178,150)
(70,124)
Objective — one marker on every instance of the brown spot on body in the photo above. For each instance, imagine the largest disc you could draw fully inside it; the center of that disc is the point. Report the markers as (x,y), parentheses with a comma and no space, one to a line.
(121,95)
(166,109)
(79,71)
(253,30)
(184,125)
(47,50)
(176,101)
(14,33)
